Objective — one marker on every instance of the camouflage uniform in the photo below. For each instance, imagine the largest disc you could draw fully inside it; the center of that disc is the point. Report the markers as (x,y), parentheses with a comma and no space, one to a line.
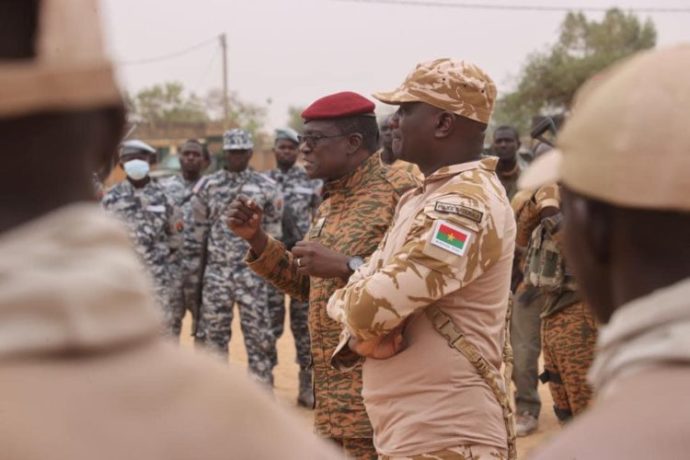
(509,180)
(409,168)
(155,226)
(569,331)
(181,191)
(450,247)
(302,197)
(355,213)
(226,279)
(455,453)
(525,327)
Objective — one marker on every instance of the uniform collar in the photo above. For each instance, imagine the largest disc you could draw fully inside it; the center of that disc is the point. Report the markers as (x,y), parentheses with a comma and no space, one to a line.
(364,172)
(444,173)
(70,282)
(512,174)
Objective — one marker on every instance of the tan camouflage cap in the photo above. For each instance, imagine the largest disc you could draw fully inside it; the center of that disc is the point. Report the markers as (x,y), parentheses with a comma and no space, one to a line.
(457,86)
(626,142)
(70,70)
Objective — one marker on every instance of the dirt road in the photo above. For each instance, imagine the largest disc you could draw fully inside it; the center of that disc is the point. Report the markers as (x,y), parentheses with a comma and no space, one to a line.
(286,384)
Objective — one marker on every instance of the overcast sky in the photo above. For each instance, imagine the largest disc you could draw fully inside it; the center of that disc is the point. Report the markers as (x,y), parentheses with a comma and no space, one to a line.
(290,52)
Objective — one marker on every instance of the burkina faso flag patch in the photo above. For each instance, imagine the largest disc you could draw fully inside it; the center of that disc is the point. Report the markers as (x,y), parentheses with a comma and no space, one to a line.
(451,237)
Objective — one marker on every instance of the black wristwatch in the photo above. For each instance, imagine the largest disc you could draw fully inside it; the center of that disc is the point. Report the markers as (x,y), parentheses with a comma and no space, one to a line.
(354,263)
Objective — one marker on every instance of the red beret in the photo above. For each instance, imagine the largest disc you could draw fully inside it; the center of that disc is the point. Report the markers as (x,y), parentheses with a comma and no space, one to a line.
(338,105)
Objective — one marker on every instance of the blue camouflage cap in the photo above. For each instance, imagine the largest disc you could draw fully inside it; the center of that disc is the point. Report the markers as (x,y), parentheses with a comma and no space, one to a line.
(237,139)
(288,134)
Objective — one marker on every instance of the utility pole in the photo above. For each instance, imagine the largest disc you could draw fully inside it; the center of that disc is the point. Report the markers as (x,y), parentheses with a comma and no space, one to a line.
(226,102)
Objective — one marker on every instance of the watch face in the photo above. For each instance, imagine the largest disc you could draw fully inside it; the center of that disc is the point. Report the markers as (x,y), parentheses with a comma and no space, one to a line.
(354,263)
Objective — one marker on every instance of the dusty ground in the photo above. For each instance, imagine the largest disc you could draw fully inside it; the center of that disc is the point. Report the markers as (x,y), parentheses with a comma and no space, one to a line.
(286,384)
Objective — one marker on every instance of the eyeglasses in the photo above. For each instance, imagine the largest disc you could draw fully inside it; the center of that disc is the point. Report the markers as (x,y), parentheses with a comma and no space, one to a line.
(312,139)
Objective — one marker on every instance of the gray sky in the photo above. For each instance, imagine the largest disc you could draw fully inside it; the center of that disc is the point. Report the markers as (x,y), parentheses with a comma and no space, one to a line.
(290,52)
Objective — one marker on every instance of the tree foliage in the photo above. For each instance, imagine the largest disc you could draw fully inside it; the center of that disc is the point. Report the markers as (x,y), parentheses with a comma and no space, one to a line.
(167,102)
(170,103)
(549,79)
(295,120)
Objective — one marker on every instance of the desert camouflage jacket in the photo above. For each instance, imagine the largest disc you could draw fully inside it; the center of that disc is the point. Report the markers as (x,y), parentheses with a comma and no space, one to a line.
(353,217)
(441,240)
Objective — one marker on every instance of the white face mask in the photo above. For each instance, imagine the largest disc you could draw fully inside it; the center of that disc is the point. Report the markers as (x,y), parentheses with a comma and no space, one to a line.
(137,169)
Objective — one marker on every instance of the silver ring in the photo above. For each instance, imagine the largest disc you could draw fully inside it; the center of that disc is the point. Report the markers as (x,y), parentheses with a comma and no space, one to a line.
(299,263)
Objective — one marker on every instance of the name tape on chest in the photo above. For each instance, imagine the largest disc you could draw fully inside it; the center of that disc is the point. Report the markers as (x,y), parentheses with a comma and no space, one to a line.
(460,210)
(451,237)
(303,190)
(155,208)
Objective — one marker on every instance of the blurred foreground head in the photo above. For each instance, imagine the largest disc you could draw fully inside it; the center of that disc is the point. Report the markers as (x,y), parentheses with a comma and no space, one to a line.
(624,164)
(61,115)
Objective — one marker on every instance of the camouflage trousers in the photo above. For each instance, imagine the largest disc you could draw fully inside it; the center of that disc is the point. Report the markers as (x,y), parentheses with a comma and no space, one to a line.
(167,286)
(473,452)
(299,313)
(569,337)
(222,288)
(187,293)
(357,448)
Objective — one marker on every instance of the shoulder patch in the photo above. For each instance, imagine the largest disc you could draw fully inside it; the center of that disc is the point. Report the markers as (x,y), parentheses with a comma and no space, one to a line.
(450,237)
(460,210)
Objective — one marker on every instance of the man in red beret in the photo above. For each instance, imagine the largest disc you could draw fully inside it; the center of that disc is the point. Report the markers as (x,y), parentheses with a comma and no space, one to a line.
(359,197)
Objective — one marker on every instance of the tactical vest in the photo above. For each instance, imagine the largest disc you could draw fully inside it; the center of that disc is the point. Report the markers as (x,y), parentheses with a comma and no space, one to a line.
(544,264)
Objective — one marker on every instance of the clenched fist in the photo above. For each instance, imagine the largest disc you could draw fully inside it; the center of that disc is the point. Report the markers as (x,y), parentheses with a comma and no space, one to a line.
(244,220)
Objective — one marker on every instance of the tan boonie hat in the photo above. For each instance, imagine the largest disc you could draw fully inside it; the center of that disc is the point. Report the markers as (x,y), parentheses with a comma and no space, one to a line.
(456,86)
(70,69)
(627,141)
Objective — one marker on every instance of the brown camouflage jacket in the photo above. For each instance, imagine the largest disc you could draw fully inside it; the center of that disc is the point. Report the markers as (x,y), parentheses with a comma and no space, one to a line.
(355,213)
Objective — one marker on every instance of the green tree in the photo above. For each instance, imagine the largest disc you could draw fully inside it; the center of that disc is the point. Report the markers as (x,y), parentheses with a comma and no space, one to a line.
(242,114)
(549,79)
(167,102)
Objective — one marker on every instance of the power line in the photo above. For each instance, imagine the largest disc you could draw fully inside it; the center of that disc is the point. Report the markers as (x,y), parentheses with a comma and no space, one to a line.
(173,55)
(206,71)
(505,7)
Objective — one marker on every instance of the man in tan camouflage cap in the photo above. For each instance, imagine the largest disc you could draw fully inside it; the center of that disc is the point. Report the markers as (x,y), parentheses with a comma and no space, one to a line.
(85,372)
(440,277)
(623,161)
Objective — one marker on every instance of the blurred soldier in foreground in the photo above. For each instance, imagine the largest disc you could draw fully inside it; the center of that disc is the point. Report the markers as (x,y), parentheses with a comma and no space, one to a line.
(194,159)
(623,163)
(226,278)
(155,225)
(439,282)
(85,373)
(360,194)
(302,198)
